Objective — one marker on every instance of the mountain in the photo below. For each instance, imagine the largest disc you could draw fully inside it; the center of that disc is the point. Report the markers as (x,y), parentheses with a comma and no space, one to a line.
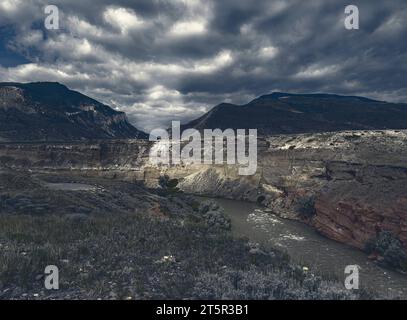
(50,111)
(284,113)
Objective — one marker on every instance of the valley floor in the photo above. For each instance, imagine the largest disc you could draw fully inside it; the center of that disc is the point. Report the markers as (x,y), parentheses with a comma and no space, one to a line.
(119,240)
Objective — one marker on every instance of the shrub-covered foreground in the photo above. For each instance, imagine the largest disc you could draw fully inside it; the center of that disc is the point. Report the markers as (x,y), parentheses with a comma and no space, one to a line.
(121,241)
(134,256)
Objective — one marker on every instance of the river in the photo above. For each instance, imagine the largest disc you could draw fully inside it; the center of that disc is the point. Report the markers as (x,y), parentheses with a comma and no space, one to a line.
(308,248)
(302,243)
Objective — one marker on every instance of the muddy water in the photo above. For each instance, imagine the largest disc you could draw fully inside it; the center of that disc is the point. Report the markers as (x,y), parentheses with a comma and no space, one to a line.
(310,249)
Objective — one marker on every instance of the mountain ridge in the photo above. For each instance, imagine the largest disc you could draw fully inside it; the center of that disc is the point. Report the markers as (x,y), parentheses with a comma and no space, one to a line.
(47,111)
(50,111)
(288,113)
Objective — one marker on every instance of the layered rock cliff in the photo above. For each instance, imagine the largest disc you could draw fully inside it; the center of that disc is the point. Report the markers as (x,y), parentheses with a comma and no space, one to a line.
(354,183)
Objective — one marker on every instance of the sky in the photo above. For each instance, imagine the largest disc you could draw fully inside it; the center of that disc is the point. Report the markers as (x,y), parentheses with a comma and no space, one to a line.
(164,60)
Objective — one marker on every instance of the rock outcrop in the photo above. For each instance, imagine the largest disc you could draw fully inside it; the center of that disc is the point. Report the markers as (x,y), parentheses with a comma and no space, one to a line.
(353,212)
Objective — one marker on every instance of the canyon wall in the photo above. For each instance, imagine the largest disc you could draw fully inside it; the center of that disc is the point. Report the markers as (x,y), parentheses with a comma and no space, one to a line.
(348,185)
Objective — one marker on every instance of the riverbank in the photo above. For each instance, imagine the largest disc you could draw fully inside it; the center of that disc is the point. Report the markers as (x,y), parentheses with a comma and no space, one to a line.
(308,248)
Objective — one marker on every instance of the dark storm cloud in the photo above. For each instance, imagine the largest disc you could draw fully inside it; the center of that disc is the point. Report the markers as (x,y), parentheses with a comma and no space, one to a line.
(166,60)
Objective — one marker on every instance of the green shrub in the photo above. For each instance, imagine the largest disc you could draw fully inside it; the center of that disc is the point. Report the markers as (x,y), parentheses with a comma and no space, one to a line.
(307,206)
(170,185)
(390,248)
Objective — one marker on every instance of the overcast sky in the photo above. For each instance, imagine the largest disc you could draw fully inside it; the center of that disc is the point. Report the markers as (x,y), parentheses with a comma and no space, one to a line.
(162,60)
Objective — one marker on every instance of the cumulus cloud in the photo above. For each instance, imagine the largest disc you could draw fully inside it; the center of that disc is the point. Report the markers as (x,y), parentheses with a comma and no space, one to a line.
(163,60)
(123,18)
(188,29)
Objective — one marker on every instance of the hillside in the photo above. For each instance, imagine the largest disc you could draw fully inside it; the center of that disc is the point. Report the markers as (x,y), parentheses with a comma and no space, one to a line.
(283,113)
(46,111)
